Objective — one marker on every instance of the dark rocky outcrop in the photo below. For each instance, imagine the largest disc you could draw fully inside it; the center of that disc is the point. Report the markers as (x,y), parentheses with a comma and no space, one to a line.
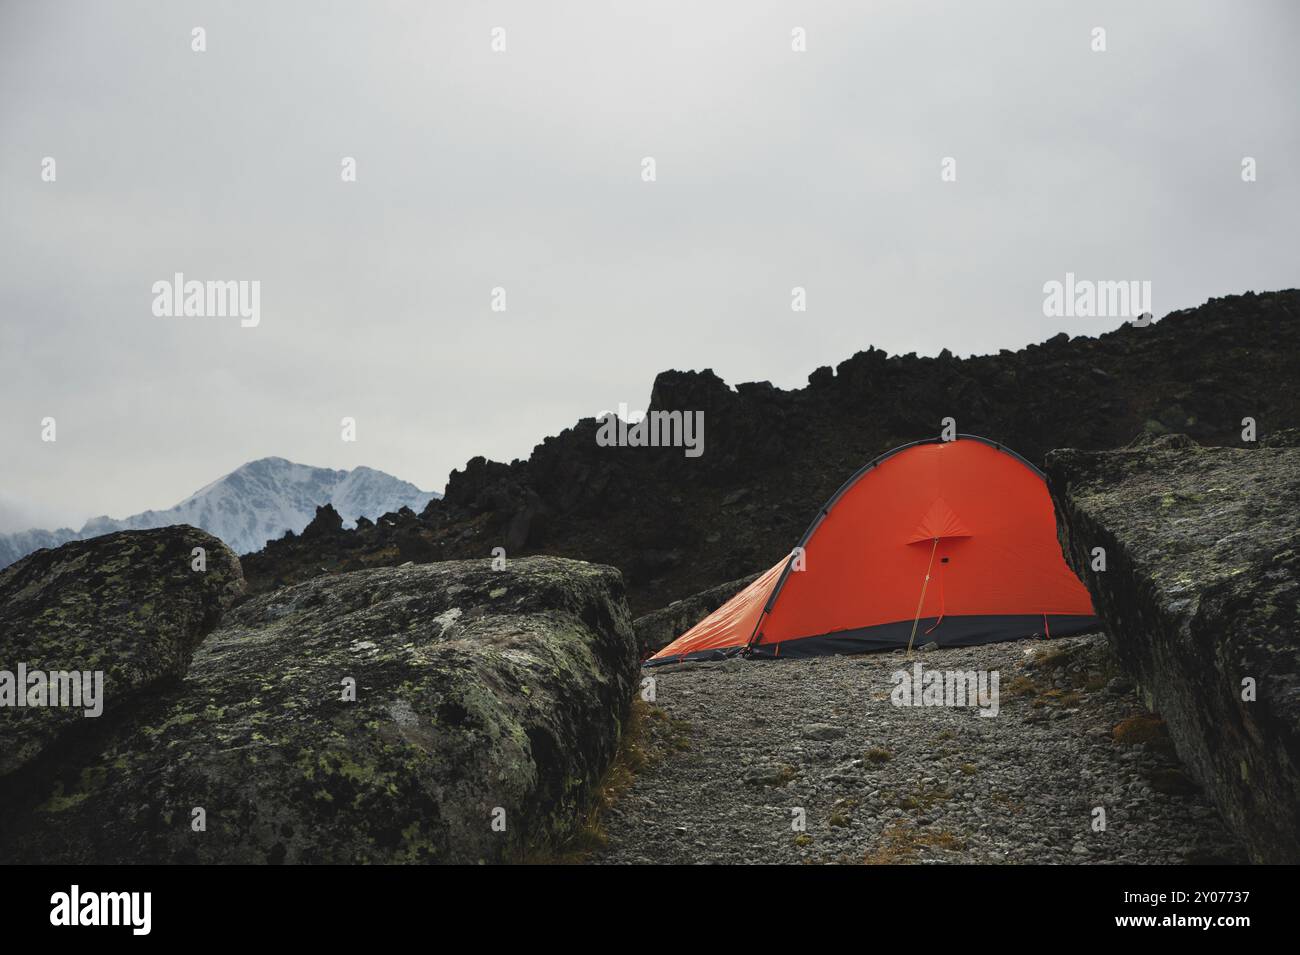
(1201,592)
(475,690)
(128,604)
(675,524)
(657,629)
(327,523)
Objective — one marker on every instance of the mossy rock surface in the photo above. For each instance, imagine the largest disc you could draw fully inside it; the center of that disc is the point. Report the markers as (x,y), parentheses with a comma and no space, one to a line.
(1201,593)
(128,604)
(481,695)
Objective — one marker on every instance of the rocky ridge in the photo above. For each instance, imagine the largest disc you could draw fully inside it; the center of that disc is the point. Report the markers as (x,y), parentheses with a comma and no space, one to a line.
(676,525)
(1201,598)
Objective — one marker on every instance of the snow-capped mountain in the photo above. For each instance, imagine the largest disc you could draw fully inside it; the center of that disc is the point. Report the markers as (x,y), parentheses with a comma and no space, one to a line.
(22,543)
(250,506)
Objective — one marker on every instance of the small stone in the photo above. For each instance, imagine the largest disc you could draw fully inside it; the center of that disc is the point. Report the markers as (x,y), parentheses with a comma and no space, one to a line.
(1119,687)
(822,731)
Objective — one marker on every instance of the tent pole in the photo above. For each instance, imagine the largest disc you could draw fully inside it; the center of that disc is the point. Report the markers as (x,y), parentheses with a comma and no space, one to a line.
(924,584)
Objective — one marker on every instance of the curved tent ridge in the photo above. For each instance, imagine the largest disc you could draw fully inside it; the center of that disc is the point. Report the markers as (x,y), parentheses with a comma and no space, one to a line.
(988,515)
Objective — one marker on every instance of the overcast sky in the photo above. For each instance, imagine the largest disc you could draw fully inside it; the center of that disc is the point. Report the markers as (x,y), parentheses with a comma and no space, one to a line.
(523,169)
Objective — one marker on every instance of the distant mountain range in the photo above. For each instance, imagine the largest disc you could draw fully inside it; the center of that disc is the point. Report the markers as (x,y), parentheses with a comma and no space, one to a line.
(251,505)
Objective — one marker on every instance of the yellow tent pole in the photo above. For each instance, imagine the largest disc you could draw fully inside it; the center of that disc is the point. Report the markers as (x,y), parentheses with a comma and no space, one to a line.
(925,584)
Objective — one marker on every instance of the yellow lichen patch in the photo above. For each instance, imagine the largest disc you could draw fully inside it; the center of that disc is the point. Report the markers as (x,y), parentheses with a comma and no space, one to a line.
(58,802)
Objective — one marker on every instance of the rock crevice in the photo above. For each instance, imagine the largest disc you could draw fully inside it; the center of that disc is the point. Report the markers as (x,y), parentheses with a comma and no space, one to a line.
(1201,599)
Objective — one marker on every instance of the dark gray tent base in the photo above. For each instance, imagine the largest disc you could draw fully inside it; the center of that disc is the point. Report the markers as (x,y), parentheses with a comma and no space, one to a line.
(953,631)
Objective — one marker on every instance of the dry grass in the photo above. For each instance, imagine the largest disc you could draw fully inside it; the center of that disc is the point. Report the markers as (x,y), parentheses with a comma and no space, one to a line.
(1063,698)
(646,734)
(1052,659)
(923,799)
(679,737)
(1022,686)
(903,842)
(1144,728)
(1095,668)
(878,755)
(785,774)
(1007,802)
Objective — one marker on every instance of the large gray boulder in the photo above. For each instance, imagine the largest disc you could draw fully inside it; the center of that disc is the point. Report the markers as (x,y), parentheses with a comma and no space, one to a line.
(433,713)
(657,629)
(1201,596)
(130,606)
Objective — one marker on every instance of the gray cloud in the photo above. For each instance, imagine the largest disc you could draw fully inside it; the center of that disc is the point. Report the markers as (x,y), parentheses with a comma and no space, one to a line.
(522,170)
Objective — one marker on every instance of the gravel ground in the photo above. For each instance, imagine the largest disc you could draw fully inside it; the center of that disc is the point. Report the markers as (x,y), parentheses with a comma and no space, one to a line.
(740,747)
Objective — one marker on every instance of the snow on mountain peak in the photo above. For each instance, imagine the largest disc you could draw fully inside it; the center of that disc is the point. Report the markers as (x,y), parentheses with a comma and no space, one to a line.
(251,505)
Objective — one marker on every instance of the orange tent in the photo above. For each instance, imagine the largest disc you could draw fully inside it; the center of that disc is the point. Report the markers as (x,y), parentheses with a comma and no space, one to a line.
(950,541)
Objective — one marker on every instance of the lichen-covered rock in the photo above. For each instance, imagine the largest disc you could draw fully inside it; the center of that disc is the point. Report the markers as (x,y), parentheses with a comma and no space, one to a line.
(435,713)
(1201,599)
(657,629)
(130,605)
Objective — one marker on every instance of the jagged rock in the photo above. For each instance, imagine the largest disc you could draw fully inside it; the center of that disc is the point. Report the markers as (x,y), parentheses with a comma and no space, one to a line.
(1161,442)
(656,630)
(1202,591)
(327,523)
(1207,367)
(127,604)
(822,377)
(1286,438)
(476,692)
